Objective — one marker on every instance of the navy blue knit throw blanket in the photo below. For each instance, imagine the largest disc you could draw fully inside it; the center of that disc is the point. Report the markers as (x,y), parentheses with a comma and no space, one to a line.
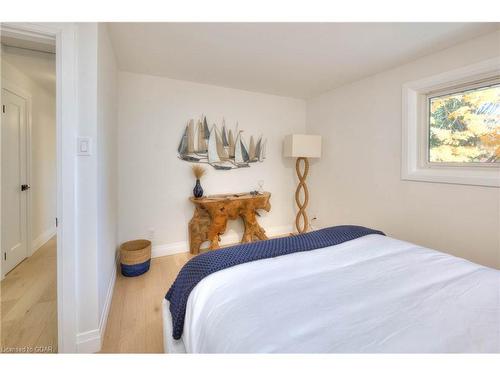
(205,264)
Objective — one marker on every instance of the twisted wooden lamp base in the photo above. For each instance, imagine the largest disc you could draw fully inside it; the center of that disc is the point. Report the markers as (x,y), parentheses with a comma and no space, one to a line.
(301,221)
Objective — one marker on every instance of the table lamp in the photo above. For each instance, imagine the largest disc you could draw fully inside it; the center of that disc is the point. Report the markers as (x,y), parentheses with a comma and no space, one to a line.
(302,147)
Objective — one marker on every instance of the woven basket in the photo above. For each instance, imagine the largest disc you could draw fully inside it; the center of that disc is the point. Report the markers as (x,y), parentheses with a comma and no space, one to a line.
(135,257)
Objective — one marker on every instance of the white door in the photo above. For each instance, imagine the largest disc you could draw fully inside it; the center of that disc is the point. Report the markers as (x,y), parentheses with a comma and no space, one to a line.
(14,175)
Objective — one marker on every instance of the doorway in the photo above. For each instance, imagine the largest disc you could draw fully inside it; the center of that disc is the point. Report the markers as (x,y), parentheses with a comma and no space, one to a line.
(66,47)
(28,198)
(14,180)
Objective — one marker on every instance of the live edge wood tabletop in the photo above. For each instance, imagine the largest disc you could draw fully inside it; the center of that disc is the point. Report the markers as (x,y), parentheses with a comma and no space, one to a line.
(212,212)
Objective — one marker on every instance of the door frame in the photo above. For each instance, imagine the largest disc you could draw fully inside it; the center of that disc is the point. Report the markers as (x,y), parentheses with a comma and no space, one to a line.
(65,36)
(16,90)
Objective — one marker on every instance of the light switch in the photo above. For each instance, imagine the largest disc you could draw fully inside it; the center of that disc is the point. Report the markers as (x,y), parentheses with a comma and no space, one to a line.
(84,146)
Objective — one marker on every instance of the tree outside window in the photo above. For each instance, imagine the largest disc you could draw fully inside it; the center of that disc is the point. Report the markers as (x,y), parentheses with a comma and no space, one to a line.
(464,127)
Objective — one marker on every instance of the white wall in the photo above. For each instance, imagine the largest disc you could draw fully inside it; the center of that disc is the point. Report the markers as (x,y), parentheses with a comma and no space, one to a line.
(86,193)
(96,185)
(43,139)
(358,179)
(107,149)
(154,185)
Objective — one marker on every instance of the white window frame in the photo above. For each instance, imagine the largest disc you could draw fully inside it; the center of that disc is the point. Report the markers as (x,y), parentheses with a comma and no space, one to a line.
(415,164)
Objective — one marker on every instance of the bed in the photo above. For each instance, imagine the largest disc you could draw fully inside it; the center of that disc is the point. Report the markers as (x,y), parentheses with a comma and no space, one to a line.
(372,294)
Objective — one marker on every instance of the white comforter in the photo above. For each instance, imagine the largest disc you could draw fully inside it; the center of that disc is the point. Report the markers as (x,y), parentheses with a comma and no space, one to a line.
(372,294)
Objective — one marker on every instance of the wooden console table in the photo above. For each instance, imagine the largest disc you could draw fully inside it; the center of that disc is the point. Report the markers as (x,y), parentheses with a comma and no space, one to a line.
(212,213)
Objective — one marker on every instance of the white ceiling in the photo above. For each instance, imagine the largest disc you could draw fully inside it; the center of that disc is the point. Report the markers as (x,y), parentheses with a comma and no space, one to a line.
(38,66)
(291,59)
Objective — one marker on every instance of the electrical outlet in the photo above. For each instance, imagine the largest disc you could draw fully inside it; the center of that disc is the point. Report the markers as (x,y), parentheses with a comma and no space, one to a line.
(313,222)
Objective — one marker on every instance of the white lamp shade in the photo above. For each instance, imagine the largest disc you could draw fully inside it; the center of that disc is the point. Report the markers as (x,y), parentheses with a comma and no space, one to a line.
(302,146)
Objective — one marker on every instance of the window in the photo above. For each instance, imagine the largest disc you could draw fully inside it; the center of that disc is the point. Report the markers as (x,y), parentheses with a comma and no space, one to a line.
(451,127)
(464,126)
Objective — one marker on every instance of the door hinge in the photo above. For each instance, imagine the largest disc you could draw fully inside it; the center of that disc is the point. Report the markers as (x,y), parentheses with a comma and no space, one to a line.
(57,222)
(3,108)
(4,256)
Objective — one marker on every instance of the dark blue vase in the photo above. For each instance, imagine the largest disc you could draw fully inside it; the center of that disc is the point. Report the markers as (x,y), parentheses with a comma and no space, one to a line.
(198,190)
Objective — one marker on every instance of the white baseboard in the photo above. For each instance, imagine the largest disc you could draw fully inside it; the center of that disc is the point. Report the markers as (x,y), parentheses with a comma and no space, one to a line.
(169,249)
(91,341)
(42,239)
(107,303)
(280,230)
(227,239)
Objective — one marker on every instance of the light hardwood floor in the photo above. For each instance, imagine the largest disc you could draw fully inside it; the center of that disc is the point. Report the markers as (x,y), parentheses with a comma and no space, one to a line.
(135,318)
(29,303)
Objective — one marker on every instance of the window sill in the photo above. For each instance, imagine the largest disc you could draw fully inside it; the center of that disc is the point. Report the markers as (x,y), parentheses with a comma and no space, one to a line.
(454,175)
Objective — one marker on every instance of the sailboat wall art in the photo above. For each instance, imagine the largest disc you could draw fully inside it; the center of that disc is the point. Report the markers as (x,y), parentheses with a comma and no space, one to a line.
(222,148)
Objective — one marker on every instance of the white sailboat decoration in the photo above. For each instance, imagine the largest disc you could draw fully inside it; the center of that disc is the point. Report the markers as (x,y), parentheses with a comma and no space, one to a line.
(225,141)
(186,147)
(240,153)
(206,131)
(213,155)
(221,149)
(258,150)
(190,134)
(231,147)
(182,149)
(218,146)
(217,156)
(251,150)
(202,141)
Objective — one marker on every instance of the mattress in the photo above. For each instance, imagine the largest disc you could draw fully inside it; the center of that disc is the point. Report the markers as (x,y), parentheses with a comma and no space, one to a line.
(370,295)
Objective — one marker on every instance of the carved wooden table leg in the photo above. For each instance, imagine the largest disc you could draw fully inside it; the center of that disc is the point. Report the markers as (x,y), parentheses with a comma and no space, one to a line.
(198,230)
(252,228)
(217,227)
